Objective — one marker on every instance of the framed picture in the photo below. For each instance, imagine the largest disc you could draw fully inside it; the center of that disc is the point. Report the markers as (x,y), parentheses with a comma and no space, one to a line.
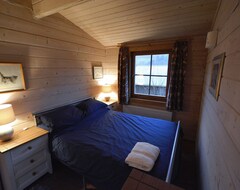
(97,72)
(216,76)
(11,77)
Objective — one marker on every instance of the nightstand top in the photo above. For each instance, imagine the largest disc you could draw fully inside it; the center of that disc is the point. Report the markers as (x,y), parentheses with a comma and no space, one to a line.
(21,137)
(111,101)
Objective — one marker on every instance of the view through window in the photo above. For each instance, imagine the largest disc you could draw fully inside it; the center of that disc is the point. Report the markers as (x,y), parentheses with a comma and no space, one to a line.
(151,74)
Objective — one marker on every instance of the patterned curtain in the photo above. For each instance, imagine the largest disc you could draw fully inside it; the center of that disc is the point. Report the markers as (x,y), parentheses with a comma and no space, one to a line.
(176,87)
(123,75)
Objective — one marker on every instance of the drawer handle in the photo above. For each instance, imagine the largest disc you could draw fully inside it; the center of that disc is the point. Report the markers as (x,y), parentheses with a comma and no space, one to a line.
(31,161)
(34,173)
(29,148)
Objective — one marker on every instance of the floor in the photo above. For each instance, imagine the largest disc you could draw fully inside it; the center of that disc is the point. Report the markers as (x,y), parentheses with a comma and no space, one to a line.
(64,179)
(61,179)
(187,177)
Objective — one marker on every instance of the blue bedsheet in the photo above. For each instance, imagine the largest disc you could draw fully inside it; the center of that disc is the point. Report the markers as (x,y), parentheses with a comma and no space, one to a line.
(98,145)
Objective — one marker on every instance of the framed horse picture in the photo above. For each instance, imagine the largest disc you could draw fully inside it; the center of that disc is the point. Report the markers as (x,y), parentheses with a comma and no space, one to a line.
(216,76)
(11,77)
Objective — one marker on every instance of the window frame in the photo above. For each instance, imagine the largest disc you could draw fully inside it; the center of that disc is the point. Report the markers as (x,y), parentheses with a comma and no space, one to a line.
(149,97)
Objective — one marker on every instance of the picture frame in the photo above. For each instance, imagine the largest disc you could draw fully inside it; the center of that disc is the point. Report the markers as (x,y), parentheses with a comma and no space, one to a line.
(11,77)
(97,72)
(216,75)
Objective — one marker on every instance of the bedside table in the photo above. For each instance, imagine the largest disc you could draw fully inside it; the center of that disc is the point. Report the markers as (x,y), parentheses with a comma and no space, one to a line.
(24,158)
(112,104)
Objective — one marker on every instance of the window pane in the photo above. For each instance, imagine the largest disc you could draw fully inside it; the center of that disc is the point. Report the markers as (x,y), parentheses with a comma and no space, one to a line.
(142,64)
(160,64)
(141,85)
(158,86)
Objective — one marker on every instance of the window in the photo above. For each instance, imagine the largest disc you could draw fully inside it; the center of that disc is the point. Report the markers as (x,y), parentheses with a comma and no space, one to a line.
(150,75)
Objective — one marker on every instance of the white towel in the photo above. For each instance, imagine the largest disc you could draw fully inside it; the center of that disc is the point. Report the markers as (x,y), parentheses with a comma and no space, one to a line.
(147,149)
(139,161)
(143,156)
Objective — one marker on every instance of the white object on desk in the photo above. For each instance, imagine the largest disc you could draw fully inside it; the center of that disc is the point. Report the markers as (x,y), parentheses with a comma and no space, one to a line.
(7,116)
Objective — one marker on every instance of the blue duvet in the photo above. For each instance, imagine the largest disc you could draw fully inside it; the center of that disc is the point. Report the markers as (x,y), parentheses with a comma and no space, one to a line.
(97,146)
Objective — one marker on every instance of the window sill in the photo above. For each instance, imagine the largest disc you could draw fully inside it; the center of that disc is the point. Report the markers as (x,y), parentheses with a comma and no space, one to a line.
(161,105)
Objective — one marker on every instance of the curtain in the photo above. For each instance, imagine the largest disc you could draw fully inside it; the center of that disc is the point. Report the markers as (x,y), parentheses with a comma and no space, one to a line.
(123,75)
(176,85)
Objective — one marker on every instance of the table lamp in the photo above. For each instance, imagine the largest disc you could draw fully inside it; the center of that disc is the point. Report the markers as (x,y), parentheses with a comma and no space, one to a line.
(7,116)
(107,89)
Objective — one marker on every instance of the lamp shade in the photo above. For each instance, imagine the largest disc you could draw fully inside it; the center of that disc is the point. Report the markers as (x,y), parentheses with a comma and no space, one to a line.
(106,88)
(6,114)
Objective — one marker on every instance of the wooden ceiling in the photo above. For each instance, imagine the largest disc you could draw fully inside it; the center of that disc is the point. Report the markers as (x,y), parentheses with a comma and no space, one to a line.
(118,21)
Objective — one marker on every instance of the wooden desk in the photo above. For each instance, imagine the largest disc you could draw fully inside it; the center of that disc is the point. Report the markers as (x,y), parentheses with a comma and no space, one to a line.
(24,158)
(112,104)
(139,180)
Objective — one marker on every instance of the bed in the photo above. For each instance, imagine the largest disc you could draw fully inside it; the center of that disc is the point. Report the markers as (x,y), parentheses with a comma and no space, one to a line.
(94,141)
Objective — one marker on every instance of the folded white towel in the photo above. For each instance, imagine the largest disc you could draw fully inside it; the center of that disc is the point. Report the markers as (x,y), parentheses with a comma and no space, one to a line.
(140,161)
(147,149)
(143,156)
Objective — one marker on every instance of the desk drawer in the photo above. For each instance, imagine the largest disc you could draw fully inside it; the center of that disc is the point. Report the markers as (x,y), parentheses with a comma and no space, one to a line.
(31,176)
(27,149)
(29,163)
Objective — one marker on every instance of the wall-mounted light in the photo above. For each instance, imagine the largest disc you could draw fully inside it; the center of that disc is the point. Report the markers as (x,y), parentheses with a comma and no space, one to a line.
(211,39)
(7,116)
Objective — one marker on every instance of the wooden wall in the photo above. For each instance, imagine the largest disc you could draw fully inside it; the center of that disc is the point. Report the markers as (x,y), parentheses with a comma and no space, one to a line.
(111,65)
(57,60)
(193,85)
(219,131)
(193,80)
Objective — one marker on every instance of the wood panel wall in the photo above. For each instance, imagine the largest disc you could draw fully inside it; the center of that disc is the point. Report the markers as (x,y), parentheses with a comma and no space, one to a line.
(219,131)
(111,65)
(194,77)
(57,60)
(193,85)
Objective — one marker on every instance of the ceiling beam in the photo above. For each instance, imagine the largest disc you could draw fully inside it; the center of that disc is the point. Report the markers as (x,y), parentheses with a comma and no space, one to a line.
(43,8)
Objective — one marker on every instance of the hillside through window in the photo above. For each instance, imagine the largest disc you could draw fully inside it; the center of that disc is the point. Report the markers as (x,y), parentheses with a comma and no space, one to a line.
(150,75)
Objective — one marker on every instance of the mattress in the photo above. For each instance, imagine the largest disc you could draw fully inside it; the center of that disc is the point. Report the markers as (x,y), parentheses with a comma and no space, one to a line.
(97,146)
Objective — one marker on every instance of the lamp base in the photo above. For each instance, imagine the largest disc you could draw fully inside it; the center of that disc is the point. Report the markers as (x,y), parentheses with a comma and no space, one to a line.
(6,133)
(107,98)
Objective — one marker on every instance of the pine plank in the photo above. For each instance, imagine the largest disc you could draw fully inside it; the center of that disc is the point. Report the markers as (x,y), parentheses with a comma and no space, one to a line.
(219,146)
(57,62)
